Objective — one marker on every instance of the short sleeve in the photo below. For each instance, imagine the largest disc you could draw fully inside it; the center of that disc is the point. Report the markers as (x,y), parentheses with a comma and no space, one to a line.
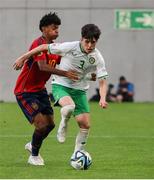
(60,48)
(40,56)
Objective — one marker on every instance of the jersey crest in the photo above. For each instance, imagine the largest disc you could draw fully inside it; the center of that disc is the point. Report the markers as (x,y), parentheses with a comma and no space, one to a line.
(92,60)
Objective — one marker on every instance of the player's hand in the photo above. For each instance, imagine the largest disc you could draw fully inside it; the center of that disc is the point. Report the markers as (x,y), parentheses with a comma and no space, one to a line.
(103,103)
(73,75)
(93,77)
(18,64)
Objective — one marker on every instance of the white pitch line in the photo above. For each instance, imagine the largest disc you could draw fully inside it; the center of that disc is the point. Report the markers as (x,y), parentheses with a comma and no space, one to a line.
(93,136)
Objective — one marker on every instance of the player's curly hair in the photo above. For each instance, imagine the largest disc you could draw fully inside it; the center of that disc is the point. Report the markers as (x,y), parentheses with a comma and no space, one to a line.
(90,31)
(48,19)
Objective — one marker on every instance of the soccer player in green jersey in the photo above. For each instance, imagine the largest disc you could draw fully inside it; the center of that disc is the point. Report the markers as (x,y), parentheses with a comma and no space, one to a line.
(81,56)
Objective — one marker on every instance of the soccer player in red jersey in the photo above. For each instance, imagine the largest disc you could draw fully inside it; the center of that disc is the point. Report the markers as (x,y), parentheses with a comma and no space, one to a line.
(30,88)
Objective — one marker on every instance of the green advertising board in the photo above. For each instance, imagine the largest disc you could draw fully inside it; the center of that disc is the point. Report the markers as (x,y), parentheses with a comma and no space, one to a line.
(134,19)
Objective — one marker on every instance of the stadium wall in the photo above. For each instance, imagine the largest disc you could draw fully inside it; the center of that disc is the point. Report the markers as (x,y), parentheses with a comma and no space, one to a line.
(129,53)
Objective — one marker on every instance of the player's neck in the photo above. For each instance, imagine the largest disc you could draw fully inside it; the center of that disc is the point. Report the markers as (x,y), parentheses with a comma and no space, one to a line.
(48,40)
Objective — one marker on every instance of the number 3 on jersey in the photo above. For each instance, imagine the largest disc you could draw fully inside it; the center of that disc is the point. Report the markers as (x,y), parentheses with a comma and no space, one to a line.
(82,64)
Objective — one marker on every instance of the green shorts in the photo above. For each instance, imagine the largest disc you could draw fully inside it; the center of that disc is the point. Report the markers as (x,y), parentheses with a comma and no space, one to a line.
(79,97)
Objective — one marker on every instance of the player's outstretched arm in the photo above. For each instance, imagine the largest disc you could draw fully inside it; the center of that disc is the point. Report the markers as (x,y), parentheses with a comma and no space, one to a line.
(102,92)
(44,47)
(20,61)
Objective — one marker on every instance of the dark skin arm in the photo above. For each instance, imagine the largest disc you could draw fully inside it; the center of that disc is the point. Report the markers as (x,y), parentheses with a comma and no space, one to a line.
(20,60)
(45,67)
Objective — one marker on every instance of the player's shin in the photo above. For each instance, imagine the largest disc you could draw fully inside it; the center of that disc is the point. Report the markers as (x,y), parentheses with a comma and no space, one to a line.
(66,112)
(38,137)
(36,142)
(81,139)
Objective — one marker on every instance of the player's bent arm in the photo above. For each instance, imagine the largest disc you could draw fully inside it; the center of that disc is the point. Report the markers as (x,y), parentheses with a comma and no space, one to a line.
(102,92)
(19,62)
(46,67)
(43,47)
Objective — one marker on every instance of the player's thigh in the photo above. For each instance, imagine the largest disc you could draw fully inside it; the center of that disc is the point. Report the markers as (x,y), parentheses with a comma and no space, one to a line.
(66,100)
(83,120)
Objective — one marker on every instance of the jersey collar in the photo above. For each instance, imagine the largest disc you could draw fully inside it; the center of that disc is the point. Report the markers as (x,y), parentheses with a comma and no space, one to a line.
(46,40)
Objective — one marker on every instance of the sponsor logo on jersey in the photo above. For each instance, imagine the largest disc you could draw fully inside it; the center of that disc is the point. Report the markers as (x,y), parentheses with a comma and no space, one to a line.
(74,54)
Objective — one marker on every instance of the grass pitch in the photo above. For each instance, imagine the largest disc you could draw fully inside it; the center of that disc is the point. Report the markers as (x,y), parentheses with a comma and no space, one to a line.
(121,144)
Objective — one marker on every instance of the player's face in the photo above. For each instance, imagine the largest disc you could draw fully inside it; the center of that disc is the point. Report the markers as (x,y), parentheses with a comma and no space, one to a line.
(51,31)
(88,45)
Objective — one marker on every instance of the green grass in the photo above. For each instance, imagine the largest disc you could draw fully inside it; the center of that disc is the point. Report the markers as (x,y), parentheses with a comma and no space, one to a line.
(121,144)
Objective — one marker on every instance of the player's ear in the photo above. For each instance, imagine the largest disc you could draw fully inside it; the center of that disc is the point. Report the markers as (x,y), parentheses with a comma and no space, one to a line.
(43,29)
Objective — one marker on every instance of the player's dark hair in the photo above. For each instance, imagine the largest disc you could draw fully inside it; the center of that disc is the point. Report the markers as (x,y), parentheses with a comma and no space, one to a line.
(90,31)
(48,19)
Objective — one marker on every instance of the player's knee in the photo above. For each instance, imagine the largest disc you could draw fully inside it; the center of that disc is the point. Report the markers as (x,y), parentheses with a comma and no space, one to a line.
(67,110)
(84,125)
(40,122)
(40,125)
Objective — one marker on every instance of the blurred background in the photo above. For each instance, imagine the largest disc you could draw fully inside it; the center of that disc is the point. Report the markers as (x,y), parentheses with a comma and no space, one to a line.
(127,41)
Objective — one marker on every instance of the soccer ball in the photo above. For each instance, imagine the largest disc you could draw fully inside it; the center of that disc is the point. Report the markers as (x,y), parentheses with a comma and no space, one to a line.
(81,160)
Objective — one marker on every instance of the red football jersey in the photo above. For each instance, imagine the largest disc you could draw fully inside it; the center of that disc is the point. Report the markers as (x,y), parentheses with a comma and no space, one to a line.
(31,78)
